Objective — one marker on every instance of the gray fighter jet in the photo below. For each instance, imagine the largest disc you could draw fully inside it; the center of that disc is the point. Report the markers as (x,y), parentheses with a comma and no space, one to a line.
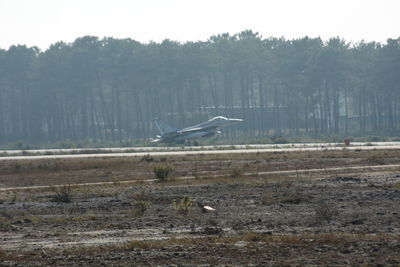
(208,128)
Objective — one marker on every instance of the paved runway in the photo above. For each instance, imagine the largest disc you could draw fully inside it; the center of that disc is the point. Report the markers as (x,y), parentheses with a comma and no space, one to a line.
(187,148)
(166,151)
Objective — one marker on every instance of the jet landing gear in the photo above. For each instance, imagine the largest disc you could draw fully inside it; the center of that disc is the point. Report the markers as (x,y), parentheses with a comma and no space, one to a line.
(189,143)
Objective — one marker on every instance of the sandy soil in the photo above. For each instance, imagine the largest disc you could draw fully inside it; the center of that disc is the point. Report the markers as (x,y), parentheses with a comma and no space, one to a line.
(325,218)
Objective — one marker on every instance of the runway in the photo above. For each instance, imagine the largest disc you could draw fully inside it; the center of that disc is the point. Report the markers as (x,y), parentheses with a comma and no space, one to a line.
(188,150)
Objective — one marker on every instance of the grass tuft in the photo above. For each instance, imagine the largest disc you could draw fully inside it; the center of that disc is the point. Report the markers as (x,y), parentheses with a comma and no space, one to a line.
(184,205)
(140,207)
(236,172)
(63,194)
(325,212)
(162,172)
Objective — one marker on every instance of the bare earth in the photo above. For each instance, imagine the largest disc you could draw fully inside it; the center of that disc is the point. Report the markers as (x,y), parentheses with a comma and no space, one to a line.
(262,216)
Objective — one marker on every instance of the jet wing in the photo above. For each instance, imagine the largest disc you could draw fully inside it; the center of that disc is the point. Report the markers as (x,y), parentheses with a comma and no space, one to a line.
(195,129)
(188,130)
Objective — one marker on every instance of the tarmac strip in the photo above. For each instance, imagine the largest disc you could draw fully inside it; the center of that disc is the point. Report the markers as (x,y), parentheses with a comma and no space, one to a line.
(203,152)
(32,152)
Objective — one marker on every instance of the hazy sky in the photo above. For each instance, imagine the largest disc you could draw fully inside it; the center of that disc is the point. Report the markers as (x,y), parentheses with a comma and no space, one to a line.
(43,22)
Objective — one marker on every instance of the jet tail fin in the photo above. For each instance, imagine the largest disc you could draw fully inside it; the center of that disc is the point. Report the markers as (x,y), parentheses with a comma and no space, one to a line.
(163,127)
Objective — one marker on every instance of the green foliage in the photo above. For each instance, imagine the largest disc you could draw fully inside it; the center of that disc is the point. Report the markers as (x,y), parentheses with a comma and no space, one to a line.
(162,172)
(184,205)
(107,90)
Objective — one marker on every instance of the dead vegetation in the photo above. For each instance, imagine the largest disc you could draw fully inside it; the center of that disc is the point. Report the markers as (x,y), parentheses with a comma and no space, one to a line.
(139,207)
(236,172)
(290,197)
(242,249)
(325,212)
(51,172)
(270,219)
(63,194)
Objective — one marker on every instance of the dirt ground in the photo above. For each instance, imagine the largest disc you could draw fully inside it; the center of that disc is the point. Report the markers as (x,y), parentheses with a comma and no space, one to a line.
(347,217)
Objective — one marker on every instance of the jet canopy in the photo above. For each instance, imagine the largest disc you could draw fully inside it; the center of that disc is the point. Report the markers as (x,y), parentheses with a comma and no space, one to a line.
(223,120)
(219,118)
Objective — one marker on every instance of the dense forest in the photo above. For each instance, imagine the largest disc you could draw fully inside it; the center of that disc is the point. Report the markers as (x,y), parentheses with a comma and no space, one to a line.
(111,89)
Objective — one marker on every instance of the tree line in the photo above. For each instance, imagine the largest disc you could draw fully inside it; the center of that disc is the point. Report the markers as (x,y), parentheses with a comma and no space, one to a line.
(111,89)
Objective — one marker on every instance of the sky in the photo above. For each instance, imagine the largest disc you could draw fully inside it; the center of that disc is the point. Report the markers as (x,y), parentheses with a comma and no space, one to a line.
(44,22)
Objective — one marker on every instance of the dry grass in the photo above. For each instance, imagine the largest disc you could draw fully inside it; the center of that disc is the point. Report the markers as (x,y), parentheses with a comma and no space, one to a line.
(301,239)
(236,172)
(397,185)
(113,212)
(282,197)
(325,211)
(140,207)
(3,255)
(63,194)
(376,159)
(55,171)
(141,196)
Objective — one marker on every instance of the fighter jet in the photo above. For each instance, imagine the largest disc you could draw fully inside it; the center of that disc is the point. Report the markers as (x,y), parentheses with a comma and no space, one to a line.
(208,128)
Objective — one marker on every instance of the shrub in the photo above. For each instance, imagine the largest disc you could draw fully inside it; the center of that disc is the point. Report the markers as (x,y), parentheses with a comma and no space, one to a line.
(116,181)
(139,207)
(141,196)
(162,172)
(325,212)
(292,198)
(147,158)
(267,200)
(236,172)
(397,185)
(17,167)
(63,194)
(184,205)
(3,255)
(195,172)
(375,159)
(287,197)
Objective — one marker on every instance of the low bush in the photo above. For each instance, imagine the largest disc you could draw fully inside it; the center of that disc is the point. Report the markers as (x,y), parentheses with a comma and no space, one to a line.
(162,172)
(63,194)
(325,212)
(141,196)
(375,159)
(184,205)
(140,207)
(287,197)
(236,172)
(147,158)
